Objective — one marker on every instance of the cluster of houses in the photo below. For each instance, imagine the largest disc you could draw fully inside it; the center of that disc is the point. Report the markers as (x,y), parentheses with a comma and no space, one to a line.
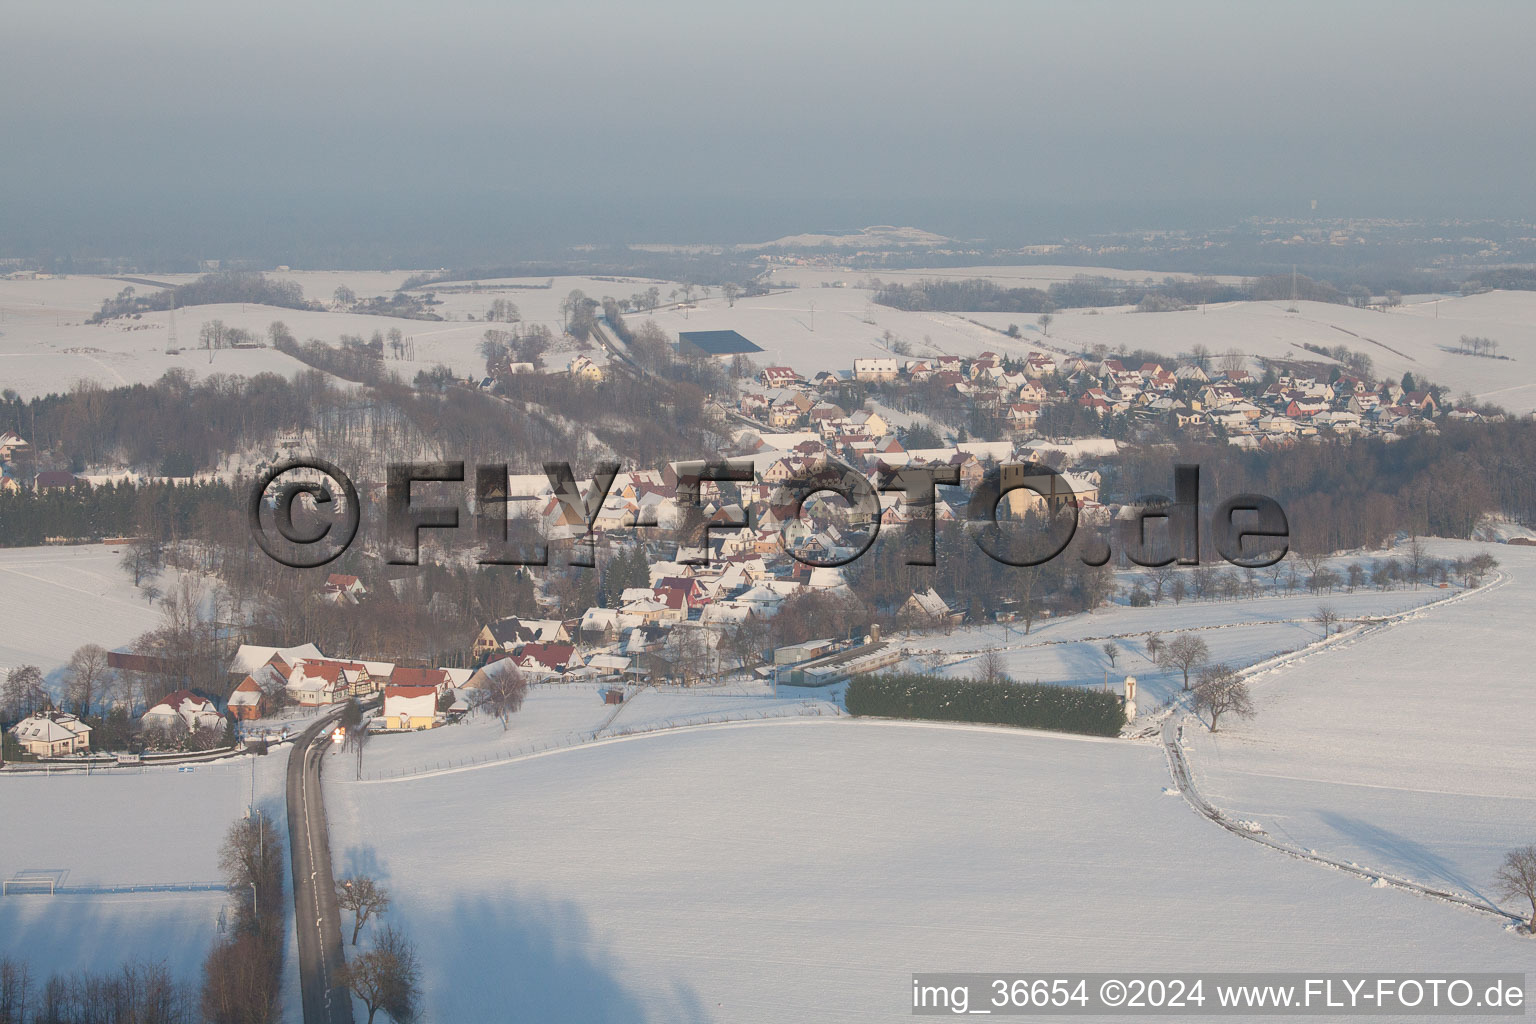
(1184,396)
(271,677)
(17,467)
(53,733)
(581,367)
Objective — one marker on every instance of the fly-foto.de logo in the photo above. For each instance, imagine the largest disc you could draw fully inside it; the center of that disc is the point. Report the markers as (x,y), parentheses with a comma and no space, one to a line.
(306,512)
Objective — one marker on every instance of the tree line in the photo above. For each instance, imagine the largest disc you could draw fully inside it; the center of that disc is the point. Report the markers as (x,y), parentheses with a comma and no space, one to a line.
(210,289)
(980,295)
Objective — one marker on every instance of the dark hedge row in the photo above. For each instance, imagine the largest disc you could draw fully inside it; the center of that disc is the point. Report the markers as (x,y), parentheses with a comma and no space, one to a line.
(1027,705)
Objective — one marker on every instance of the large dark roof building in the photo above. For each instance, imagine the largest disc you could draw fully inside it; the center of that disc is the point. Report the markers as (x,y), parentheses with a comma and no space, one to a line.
(713,343)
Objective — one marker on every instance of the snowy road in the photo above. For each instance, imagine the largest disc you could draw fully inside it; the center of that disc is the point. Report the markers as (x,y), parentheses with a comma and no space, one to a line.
(317,919)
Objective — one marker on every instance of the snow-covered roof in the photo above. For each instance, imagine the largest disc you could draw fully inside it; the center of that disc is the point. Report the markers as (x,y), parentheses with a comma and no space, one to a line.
(250,657)
(49,728)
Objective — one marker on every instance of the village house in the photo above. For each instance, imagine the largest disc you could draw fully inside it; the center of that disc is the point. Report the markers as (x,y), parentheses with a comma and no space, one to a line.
(314,682)
(511,633)
(185,707)
(249,701)
(12,446)
(409,707)
(406,676)
(877,368)
(584,367)
(927,608)
(779,377)
(52,734)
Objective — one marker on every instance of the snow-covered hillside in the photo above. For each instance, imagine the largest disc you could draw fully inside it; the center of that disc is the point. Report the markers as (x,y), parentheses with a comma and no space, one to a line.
(45,344)
(1418,337)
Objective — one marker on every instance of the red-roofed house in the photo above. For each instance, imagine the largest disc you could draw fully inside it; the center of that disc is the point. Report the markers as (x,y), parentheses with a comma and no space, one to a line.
(778,376)
(186,707)
(548,658)
(417,677)
(410,707)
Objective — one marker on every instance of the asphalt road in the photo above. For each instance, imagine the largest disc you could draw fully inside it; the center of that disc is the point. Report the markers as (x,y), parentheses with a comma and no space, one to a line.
(317,918)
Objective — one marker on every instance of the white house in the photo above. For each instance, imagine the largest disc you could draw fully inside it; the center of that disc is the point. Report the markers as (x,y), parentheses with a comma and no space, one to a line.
(875,368)
(185,707)
(927,605)
(51,733)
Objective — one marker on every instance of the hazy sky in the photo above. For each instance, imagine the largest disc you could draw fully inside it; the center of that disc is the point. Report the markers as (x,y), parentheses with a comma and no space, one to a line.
(706,120)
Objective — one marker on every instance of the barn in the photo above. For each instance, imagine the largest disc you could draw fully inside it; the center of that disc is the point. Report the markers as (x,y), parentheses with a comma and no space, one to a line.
(713,343)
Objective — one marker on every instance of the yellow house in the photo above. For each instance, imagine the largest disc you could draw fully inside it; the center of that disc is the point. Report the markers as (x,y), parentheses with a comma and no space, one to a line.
(410,707)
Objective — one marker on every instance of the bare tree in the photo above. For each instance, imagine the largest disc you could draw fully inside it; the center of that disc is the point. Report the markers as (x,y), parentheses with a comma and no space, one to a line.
(1417,554)
(1045,320)
(1111,651)
(1516,879)
(502,691)
(1154,645)
(731,290)
(1221,691)
(1186,653)
(1326,617)
(387,977)
(87,677)
(991,668)
(364,896)
(22,692)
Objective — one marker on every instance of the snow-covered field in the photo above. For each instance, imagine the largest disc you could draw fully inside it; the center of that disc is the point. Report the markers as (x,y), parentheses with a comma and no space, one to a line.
(1070,650)
(46,346)
(116,828)
(1408,749)
(58,598)
(802,870)
(564,714)
(159,827)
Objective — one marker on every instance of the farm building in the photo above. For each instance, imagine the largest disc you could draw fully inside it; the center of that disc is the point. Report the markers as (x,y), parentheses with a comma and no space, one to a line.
(713,343)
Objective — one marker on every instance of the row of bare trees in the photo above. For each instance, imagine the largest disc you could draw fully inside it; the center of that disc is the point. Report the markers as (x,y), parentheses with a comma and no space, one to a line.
(140,992)
(243,973)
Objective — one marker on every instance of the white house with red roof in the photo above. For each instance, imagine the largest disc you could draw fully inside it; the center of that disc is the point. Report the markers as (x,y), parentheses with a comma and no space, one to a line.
(317,681)
(409,707)
(779,377)
(191,710)
(406,676)
(548,659)
(349,588)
